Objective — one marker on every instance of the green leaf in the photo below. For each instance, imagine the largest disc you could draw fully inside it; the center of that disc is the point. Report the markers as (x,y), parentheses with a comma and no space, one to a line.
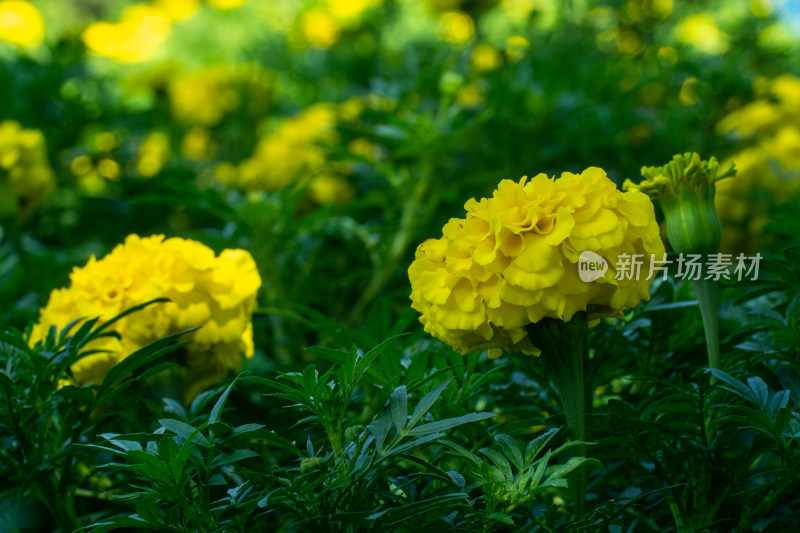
(427,402)
(501,517)
(511,449)
(245,429)
(448,423)
(6,383)
(216,411)
(537,444)
(183,429)
(380,429)
(499,461)
(147,508)
(760,390)
(140,358)
(229,458)
(398,404)
(364,362)
(736,386)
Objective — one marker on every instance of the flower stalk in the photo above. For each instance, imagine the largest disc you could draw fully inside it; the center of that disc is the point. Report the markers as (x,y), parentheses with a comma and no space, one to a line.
(685,188)
(563,345)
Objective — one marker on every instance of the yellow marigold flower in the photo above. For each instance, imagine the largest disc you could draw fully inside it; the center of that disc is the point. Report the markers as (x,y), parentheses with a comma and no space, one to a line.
(137,37)
(349,10)
(485,58)
(25,174)
(455,27)
(298,145)
(320,29)
(197,144)
(766,178)
(153,153)
(108,169)
(202,97)
(216,294)
(21,23)
(81,165)
(702,32)
(327,189)
(516,47)
(514,260)
(469,95)
(178,9)
(365,149)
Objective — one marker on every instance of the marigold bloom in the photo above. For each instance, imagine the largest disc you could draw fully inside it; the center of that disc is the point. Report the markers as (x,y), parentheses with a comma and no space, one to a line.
(320,29)
(455,27)
(24,169)
(203,97)
(770,126)
(153,153)
(485,58)
(514,260)
(216,294)
(298,145)
(137,37)
(178,9)
(702,32)
(21,23)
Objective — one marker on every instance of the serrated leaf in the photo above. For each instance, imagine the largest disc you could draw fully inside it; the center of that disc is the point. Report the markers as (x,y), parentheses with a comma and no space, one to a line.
(511,450)
(537,444)
(760,390)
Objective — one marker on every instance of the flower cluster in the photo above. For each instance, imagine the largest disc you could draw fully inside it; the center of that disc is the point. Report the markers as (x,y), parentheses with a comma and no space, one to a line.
(514,260)
(24,169)
(769,128)
(216,294)
(298,145)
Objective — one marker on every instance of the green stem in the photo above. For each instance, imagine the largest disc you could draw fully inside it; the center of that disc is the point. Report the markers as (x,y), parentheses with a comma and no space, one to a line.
(708,298)
(563,346)
(410,220)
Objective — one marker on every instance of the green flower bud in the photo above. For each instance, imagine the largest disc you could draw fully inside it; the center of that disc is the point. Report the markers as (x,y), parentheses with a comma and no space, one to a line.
(310,464)
(685,188)
(353,432)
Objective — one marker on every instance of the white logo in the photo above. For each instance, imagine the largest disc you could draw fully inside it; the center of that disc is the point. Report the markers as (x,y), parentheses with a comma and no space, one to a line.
(591,266)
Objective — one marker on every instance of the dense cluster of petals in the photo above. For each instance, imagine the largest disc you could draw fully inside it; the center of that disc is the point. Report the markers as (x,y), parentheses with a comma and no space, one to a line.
(216,294)
(514,260)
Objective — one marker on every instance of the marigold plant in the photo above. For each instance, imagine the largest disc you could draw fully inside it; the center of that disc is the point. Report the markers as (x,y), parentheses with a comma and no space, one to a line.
(215,294)
(514,260)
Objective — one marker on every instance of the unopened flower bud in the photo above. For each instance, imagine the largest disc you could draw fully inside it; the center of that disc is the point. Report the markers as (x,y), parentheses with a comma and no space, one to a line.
(685,188)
